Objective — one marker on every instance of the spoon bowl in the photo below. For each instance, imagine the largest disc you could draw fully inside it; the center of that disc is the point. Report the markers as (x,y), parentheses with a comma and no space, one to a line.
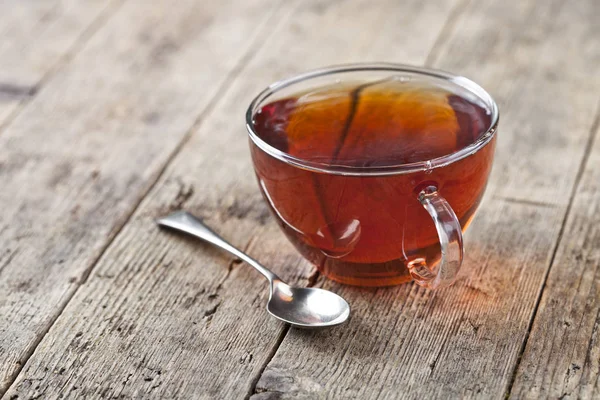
(306,307)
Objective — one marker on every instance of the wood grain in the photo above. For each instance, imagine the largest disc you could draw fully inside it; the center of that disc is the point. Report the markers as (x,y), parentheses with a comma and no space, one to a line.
(165,317)
(465,341)
(36,38)
(562,357)
(79,158)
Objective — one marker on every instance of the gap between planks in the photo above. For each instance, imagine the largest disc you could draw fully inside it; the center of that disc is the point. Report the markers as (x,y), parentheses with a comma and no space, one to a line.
(282,335)
(247,56)
(581,169)
(96,24)
(453,18)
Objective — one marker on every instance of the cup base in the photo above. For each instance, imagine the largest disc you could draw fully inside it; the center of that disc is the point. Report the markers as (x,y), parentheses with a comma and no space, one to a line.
(389,273)
(372,280)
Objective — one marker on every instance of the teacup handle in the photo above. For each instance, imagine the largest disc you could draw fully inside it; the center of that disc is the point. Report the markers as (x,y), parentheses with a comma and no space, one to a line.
(451,241)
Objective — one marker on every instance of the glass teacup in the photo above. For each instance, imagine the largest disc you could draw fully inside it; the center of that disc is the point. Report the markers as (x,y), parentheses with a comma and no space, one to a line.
(374,171)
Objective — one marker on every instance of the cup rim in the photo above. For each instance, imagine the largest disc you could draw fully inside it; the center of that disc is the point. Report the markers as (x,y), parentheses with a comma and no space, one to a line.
(347,170)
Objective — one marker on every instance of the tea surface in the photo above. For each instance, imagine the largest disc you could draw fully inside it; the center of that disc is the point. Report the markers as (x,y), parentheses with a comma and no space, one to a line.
(383,123)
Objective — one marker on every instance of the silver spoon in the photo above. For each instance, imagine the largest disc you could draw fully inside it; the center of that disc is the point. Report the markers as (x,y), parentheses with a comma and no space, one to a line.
(300,307)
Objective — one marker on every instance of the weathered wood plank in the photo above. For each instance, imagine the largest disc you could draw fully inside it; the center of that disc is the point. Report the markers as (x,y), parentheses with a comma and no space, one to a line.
(36,36)
(562,356)
(161,316)
(79,158)
(464,342)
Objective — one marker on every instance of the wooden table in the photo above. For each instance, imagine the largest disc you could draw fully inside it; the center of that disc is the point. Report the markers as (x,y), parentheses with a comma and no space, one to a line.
(115,112)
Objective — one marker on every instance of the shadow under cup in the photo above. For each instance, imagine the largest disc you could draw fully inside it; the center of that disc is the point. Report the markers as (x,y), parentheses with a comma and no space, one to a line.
(376,224)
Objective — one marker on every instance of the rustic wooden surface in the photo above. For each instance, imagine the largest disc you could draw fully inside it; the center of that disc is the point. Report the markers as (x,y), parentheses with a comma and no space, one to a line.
(113,113)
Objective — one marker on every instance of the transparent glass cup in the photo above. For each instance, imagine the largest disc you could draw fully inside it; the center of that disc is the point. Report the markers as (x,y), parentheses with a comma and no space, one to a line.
(376,225)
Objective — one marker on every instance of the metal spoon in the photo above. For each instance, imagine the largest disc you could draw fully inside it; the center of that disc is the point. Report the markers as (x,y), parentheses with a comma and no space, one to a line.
(300,307)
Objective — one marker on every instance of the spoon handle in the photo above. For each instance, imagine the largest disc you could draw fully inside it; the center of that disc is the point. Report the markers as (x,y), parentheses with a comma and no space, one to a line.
(185,222)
